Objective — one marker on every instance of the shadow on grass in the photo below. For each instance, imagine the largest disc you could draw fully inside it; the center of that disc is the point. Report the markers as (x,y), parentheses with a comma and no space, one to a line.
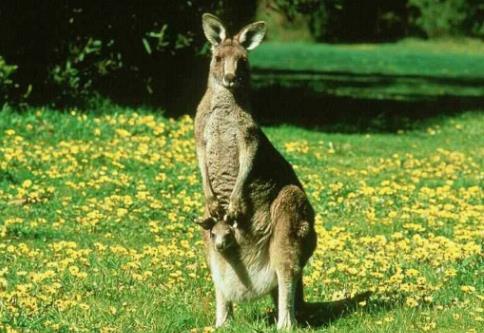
(320,314)
(374,79)
(331,101)
(20,233)
(303,106)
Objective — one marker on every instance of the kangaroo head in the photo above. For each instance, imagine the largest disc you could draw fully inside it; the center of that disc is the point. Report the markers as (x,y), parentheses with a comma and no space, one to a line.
(229,66)
(221,233)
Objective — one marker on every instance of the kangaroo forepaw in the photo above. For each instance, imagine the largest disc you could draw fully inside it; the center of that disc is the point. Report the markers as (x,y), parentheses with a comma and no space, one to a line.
(214,207)
(237,208)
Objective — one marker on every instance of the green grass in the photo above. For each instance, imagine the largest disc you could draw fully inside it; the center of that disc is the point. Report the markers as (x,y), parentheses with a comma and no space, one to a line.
(96,232)
(404,70)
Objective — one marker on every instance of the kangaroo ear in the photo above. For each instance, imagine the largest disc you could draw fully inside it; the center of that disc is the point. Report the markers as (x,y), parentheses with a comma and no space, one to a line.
(207,223)
(251,35)
(213,29)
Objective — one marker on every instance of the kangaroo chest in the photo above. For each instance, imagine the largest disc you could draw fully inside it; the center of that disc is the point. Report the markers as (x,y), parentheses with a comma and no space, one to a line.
(222,152)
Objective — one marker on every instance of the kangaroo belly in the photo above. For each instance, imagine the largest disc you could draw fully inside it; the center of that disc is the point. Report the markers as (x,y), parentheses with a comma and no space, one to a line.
(240,282)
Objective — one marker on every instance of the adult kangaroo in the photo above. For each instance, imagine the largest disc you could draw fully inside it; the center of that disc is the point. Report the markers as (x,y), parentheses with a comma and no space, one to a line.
(245,179)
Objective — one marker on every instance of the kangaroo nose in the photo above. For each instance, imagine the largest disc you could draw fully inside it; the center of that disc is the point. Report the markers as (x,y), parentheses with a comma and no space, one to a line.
(230,77)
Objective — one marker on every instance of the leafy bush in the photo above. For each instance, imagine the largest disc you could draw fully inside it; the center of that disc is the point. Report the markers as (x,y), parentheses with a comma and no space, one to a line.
(438,18)
(441,18)
(381,20)
(293,7)
(74,77)
(350,20)
(6,82)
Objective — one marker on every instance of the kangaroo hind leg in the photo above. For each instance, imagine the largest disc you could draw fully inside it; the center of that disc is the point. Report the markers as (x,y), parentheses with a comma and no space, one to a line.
(293,242)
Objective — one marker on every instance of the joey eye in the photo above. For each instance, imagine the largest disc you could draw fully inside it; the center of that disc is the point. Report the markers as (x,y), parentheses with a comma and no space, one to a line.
(218,58)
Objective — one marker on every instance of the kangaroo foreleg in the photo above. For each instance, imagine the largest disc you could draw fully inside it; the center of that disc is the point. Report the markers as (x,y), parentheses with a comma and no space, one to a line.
(224,309)
(213,206)
(247,151)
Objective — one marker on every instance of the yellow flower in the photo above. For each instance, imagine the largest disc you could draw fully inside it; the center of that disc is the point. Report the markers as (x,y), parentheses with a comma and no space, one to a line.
(468,289)
(411,302)
(27,183)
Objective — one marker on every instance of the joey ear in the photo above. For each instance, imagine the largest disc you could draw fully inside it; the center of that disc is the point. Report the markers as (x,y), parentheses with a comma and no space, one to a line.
(213,29)
(207,223)
(251,35)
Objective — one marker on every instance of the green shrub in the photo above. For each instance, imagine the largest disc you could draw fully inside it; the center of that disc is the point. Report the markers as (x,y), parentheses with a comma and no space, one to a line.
(6,72)
(438,18)
(443,18)
(75,76)
(350,20)
(382,20)
(293,7)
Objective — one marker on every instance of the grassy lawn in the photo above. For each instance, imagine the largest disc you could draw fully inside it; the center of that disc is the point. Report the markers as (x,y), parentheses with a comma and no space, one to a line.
(406,70)
(96,232)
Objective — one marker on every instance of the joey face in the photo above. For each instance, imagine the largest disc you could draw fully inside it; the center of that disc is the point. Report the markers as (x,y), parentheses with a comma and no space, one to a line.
(222,236)
(229,66)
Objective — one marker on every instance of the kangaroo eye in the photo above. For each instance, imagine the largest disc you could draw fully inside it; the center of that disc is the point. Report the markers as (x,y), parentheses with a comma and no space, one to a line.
(218,58)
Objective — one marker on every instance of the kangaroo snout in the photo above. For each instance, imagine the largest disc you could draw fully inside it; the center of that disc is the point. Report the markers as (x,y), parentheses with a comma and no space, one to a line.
(229,80)
(222,236)
(221,245)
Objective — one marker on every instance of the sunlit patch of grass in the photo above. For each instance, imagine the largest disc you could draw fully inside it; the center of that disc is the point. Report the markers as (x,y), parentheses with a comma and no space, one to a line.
(406,71)
(96,232)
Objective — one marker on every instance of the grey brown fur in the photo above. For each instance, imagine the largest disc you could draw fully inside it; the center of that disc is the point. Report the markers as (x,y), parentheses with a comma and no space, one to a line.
(245,179)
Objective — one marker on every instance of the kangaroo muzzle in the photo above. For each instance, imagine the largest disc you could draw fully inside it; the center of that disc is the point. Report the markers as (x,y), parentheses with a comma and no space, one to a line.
(229,79)
(230,68)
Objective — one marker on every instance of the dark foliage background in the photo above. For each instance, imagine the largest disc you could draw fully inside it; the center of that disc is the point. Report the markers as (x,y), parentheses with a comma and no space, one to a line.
(383,20)
(64,50)
(153,52)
